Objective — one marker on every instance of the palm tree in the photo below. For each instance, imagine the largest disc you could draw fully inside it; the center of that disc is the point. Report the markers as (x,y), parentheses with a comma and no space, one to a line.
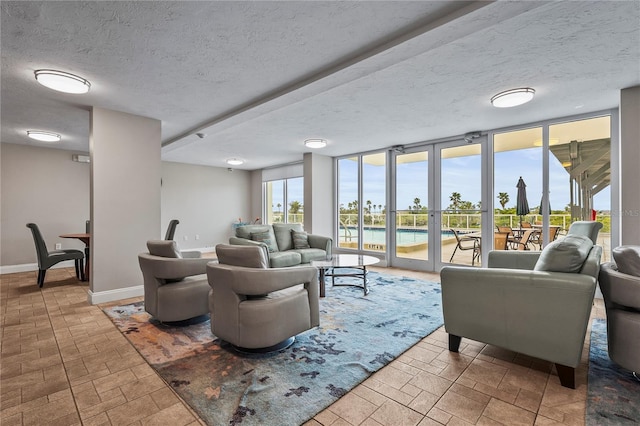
(294,207)
(455,199)
(416,203)
(503,199)
(279,205)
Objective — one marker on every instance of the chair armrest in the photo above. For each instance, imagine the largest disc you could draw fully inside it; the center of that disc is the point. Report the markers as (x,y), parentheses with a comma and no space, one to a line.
(191,254)
(512,259)
(256,281)
(320,242)
(169,268)
(237,241)
(618,288)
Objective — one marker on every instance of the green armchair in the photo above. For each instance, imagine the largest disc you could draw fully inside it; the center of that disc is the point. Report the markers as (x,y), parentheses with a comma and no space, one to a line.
(533,303)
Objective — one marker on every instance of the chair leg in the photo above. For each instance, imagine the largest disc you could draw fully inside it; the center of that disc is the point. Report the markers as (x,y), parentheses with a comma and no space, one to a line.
(454,343)
(41,274)
(77,268)
(452,254)
(567,376)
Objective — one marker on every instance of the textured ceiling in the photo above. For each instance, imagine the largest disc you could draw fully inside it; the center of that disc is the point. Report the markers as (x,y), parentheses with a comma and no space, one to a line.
(260,77)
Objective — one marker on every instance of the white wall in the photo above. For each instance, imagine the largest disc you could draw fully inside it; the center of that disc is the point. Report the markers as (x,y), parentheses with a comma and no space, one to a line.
(125,200)
(43,186)
(206,201)
(630,165)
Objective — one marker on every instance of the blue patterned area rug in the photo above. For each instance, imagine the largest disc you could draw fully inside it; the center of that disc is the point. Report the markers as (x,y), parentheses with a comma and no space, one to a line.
(357,336)
(613,396)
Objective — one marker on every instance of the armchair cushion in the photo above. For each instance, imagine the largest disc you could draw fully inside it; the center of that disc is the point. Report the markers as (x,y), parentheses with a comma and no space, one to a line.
(566,255)
(267,238)
(627,259)
(164,248)
(300,239)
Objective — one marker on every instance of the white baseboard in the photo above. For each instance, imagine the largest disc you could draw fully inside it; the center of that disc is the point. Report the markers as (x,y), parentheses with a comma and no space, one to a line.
(28,267)
(117,294)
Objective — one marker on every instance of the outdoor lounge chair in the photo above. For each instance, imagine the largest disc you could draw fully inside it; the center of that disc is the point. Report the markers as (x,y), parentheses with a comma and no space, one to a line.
(464,242)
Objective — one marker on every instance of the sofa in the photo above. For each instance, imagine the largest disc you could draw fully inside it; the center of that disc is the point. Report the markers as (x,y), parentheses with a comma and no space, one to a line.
(285,244)
(175,287)
(620,285)
(533,303)
(257,308)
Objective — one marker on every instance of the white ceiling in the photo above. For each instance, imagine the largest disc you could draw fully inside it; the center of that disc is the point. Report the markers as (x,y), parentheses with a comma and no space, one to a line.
(260,77)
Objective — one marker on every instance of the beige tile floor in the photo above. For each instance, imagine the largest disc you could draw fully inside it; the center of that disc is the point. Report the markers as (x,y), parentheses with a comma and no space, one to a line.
(64,363)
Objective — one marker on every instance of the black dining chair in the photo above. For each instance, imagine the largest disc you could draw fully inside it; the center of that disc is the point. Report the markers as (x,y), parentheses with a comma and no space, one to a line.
(171,230)
(46,258)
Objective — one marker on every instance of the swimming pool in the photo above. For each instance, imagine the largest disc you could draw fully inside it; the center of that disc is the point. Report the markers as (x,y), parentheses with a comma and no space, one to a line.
(378,235)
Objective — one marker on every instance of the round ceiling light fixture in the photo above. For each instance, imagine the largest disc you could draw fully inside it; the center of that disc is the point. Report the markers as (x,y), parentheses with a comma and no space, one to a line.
(513,97)
(43,136)
(62,81)
(315,143)
(234,161)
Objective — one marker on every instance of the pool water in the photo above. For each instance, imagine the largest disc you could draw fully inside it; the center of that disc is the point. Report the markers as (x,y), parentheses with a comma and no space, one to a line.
(403,236)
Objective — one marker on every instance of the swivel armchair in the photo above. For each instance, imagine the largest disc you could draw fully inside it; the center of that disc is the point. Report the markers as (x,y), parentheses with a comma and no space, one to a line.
(620,285)
(256,308)
(175,288)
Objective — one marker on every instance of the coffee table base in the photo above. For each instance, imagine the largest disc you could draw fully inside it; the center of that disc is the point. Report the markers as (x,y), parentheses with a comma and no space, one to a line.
(331,272)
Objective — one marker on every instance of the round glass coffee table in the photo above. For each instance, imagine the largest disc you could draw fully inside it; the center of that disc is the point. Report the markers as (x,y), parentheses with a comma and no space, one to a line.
(357,263)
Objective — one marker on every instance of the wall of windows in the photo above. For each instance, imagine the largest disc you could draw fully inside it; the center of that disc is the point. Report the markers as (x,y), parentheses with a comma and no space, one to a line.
(284,201)
(362,202)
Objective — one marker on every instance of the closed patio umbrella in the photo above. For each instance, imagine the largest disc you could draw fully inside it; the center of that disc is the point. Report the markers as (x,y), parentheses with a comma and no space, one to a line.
(522,205)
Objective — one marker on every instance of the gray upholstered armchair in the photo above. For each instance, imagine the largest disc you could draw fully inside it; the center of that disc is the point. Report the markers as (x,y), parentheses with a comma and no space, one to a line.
(620,285)
(533,303)
(175,288)
(257,308)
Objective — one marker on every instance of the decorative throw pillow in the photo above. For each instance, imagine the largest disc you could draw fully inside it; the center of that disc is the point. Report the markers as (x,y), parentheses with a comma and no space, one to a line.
(627,259)
(300,239)
(566,255)
(264,237)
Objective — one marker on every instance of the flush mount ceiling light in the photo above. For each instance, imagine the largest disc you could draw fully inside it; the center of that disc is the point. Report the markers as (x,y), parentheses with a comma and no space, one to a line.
(315,143)
(43,136)
(513,97)
(62,81)
(234,162)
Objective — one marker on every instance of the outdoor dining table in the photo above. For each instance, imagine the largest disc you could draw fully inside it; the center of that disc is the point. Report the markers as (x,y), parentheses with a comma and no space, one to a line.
(86,239)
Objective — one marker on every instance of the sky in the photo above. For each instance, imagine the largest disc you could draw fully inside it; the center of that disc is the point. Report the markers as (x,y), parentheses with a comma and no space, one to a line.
(462,174)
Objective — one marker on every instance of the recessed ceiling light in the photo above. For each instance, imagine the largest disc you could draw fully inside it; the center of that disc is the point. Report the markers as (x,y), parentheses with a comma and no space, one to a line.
(514,97)
(315,143)
(234,162)
(62,81)
(43,136)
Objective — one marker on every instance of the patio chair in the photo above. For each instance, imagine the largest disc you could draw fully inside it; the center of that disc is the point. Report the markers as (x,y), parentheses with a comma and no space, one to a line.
(525,240)
(500,240)
(511,237)
(466,242)
(536,239)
